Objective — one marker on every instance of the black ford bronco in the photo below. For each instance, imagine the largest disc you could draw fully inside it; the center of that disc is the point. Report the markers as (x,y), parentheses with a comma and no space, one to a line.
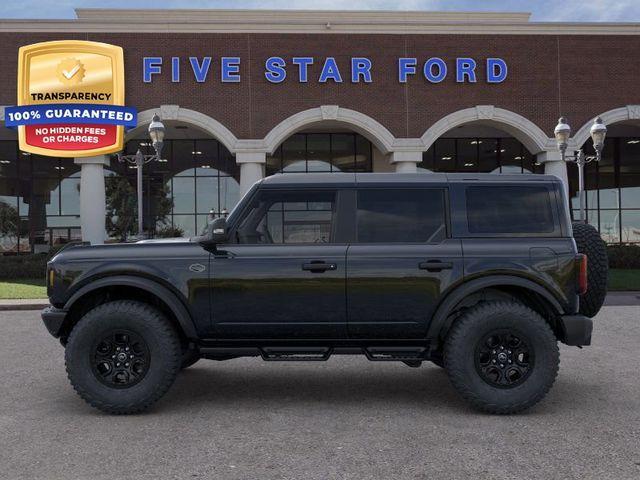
(480,274)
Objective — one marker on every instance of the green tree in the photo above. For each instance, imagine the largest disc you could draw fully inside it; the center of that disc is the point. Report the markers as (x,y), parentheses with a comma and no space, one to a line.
(9,221)
(122,207)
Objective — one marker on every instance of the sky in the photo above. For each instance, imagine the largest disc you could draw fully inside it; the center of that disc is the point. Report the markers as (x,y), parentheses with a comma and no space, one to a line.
(542,10)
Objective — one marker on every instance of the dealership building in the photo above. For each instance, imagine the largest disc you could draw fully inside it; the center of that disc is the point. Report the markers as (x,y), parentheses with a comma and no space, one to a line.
(244,94)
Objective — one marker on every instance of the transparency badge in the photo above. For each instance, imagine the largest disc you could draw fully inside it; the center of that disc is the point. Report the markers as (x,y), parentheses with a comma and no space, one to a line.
(70,99)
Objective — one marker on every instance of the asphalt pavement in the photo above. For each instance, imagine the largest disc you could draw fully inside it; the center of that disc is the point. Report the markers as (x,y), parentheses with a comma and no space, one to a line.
(342,419)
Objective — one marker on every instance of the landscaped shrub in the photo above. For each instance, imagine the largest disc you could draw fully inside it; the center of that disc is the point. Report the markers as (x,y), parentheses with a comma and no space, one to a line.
(17,267)
(624,256)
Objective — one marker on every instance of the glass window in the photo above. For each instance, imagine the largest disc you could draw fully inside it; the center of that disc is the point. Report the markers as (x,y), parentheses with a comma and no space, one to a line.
(343,154)
(488,152)
(445,155)
(401,216)
(289,217)
(294,154)
(512,209)
(319,152)
(467,154)
(207,197)
(184,195)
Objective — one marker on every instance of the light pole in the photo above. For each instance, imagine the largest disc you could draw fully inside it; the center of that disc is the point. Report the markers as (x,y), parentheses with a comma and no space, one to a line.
(156,133)
(562,133)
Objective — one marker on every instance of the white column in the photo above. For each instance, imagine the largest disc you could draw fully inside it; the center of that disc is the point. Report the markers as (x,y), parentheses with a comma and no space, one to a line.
(93,209)
(251,168)
(553,165)
(406,162)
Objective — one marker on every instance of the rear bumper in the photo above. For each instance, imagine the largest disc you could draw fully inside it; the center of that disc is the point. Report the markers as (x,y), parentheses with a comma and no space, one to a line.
(576,330)
(53,319)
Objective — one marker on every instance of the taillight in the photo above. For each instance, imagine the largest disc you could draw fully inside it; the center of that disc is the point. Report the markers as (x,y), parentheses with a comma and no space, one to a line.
(581,274)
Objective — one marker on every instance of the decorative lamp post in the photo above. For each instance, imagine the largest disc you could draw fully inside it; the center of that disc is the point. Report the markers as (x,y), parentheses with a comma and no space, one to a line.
(156,133)
(562,133)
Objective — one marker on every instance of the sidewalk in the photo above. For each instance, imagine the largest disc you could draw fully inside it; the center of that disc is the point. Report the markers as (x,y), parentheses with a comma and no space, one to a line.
(613,299)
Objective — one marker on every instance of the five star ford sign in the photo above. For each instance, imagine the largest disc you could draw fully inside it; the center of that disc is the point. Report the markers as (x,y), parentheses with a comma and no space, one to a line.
(71,99)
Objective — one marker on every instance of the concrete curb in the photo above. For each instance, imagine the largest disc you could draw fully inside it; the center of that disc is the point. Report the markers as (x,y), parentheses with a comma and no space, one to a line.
(28,304)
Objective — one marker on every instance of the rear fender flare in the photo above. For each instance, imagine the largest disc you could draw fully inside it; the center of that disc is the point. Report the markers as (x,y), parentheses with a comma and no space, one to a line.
(439,320)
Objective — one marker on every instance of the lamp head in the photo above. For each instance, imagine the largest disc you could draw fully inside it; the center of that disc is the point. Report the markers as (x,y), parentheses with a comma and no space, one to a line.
(562,133)
(156,133)
(598,133)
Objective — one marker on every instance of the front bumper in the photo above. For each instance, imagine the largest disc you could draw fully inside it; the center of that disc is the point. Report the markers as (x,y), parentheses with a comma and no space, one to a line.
(53,319)
(576,330)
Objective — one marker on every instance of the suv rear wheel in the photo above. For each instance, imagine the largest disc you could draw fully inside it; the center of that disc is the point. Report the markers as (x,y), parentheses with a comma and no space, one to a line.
(502,357)
(122,356)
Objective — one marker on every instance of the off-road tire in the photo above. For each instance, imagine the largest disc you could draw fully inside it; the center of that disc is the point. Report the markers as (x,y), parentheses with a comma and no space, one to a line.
(468,332)
(163,347)
(189,357)
(590,243)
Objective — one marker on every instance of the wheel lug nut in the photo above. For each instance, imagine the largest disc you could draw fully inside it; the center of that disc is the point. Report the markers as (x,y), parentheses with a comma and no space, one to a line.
(493,361)
(509,361)
(126,364)
(501,365)
(493,351)
(117,364)
(130,356)
(127,349)
(113,356)
(501,347)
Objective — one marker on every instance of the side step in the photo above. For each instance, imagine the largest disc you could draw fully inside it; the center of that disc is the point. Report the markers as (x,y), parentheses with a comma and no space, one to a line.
(394,354)
(292,354)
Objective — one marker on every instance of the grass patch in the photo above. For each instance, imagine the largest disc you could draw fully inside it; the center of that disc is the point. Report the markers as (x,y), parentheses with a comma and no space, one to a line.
(23,289)
(624,279)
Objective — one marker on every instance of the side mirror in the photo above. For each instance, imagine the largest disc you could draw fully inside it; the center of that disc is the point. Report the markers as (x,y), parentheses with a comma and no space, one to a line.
(218,231)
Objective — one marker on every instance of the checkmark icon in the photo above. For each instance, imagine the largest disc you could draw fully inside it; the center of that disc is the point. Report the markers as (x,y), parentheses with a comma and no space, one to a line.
(71,73)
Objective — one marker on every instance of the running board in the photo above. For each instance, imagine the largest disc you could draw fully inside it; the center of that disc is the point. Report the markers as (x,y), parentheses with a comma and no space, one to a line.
(293,354)
(317,354)
(395,354)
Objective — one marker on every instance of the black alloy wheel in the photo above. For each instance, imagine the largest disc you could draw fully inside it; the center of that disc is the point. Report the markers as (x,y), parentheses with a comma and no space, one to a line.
(120,359)
(504,359)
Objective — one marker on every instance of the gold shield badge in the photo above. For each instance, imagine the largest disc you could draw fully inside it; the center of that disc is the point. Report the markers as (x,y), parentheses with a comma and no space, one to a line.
(70,85)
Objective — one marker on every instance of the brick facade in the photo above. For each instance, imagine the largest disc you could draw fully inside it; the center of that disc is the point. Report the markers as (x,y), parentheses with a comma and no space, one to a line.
(574,75)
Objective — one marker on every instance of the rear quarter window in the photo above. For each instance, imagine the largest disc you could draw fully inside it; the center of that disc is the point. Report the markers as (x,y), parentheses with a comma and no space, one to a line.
(517,209)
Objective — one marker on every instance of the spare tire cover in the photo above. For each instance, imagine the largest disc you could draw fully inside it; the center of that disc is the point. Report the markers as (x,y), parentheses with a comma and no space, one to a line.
(590,243)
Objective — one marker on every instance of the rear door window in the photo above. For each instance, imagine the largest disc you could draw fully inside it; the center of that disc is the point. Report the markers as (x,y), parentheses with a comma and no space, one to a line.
(401,215)
(517,209)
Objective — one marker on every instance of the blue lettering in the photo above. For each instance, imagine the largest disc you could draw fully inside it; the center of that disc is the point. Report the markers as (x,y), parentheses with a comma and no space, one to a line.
(496,70)
(330,71)
(303,64)
(151,66)
(275,69)
(360,67)
(406,66)
(465,67)
(428,70)
(230,70)
(175,69)
(200,71)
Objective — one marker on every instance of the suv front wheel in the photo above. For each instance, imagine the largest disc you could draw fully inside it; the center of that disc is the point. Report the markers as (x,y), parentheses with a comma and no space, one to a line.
(122,356)
(502,357)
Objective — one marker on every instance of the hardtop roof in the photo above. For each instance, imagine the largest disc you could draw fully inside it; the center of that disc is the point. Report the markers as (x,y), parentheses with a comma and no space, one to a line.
(326,179)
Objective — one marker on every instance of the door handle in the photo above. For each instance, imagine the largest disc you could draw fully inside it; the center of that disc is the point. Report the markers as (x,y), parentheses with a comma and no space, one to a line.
(435,266)
(318,266)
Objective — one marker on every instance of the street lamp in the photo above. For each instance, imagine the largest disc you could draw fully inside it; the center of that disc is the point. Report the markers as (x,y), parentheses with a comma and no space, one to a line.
(156,133)
(562,133)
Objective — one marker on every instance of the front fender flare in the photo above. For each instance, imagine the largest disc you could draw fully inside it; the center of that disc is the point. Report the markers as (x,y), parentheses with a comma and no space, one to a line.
(164,294)
(439,319)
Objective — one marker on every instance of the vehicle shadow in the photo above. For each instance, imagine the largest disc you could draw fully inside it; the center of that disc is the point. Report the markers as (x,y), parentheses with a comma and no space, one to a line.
(264,385)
